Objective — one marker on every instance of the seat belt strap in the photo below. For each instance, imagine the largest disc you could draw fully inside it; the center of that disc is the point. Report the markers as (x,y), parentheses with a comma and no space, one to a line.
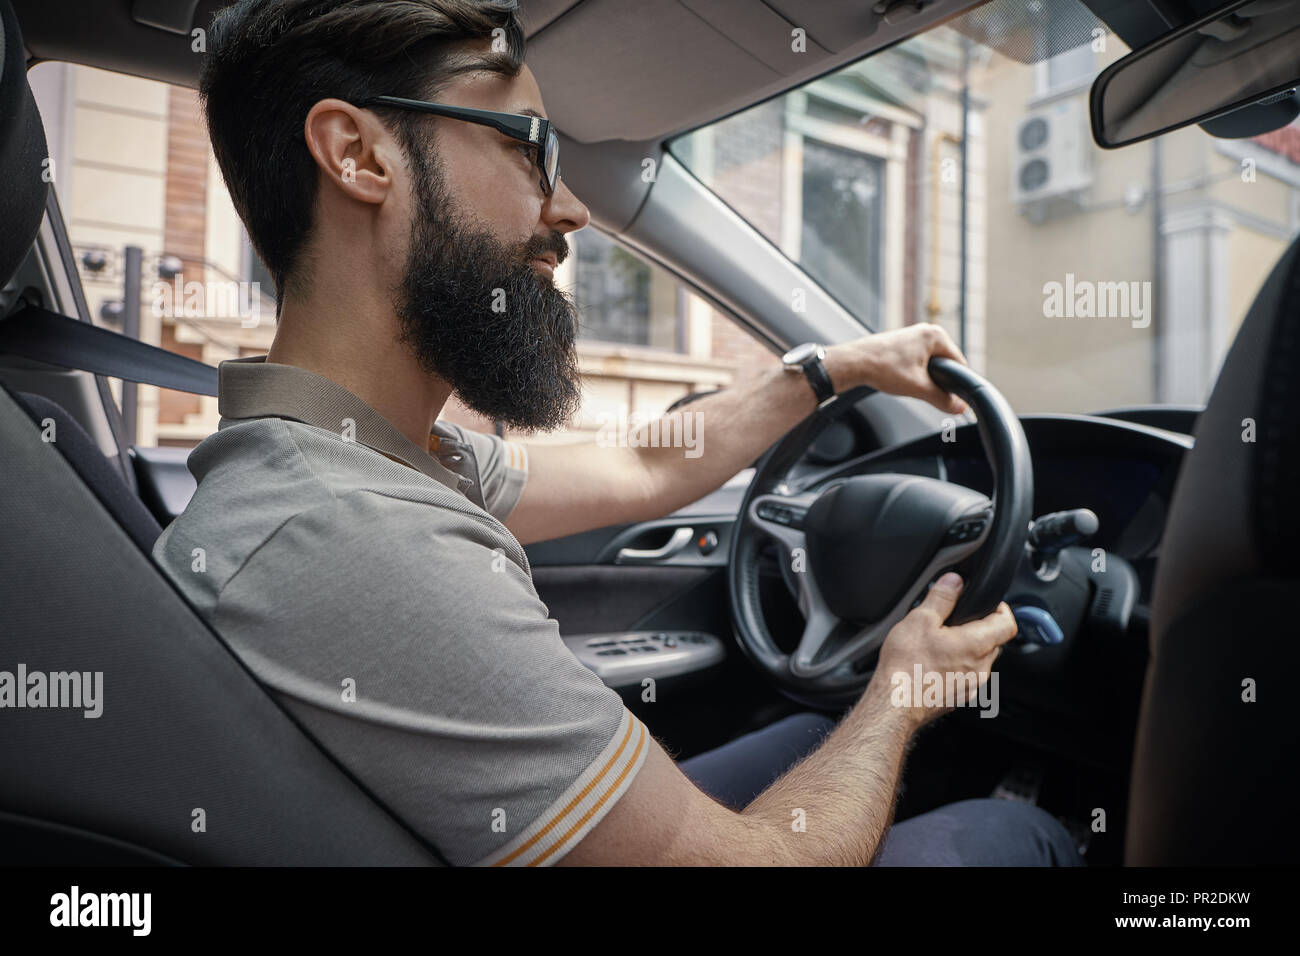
(45,336)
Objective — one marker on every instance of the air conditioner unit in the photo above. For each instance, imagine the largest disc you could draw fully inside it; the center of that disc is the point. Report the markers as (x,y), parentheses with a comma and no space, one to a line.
(1051,157)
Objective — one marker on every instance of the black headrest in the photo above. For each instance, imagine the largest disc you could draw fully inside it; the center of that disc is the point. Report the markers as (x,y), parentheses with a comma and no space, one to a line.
(23,188)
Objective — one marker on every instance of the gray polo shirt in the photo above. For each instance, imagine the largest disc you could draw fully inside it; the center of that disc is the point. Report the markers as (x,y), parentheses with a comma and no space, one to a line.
(371,586)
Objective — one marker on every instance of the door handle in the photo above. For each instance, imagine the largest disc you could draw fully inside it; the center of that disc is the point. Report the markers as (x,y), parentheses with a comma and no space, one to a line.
(680,539)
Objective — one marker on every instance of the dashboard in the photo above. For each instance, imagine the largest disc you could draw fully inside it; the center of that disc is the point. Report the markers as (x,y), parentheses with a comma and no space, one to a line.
(1121,470)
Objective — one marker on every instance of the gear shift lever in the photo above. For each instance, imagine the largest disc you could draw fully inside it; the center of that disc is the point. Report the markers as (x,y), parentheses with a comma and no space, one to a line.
(1048,536)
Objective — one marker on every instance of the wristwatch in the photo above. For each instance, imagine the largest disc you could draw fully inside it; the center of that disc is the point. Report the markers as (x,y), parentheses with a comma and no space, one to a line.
(807,358)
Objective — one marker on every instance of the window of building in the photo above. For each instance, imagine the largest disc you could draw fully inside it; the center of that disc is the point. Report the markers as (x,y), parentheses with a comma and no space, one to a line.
(811,170)
(840,230)
(623,299)
(1068,71)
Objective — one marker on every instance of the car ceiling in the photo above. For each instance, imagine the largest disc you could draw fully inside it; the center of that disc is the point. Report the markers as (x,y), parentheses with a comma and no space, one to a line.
(636,70)
(609,69)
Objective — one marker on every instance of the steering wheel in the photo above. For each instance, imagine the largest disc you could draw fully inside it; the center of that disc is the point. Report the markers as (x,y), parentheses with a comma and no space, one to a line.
(864,550)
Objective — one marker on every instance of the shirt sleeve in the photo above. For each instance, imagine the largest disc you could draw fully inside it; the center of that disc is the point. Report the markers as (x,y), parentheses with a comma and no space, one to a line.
(414,648)
(502,469)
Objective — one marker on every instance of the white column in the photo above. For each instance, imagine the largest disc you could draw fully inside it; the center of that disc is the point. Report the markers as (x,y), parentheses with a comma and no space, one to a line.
(1194,333)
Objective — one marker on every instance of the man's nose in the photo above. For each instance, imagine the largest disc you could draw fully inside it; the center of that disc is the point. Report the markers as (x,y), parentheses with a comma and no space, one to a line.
(563,211)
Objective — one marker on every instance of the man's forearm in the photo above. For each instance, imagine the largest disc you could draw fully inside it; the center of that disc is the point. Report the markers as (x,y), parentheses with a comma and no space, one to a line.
(731,429)
(669,463)
(834,807)
(686,454)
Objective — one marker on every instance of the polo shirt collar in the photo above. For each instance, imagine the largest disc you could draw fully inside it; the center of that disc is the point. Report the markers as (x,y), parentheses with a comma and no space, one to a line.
(252,387)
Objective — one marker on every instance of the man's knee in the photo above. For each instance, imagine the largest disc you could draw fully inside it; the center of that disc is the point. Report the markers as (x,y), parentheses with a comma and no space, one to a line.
(980,833)
(1036,837)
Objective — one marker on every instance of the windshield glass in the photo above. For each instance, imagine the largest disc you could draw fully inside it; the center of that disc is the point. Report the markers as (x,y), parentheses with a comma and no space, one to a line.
(1084,279)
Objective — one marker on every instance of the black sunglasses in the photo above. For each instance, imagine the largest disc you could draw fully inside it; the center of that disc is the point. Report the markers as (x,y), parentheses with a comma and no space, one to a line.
(527,129)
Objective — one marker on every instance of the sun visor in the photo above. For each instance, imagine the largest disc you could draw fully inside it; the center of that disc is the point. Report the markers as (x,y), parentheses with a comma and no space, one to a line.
(174,16)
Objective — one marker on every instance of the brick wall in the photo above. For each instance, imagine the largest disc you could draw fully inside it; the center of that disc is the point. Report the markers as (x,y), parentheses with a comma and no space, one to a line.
(1284,141)
(912,307)
(748,155)
(735,345)
(747,165)
(185,214)
(174,406)
(184,225)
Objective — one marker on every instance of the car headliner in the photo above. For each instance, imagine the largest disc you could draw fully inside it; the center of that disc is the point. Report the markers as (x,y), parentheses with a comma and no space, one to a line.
(609,69)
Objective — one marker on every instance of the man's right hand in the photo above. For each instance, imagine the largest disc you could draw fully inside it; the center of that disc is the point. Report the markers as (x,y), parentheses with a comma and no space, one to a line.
(922,638)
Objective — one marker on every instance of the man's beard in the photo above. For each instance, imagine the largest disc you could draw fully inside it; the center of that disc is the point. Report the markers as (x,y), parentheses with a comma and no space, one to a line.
(475,313)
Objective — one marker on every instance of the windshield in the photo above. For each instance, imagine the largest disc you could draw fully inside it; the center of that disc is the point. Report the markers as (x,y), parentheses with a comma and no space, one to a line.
(1083,279)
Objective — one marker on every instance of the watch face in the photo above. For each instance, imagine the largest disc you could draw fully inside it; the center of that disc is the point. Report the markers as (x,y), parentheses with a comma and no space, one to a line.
(800,353)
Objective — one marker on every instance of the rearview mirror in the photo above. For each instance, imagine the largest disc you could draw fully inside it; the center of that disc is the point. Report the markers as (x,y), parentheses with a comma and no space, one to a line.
(1246,52)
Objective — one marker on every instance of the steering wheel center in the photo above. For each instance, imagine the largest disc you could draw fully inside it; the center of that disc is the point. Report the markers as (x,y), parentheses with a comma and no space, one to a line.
(871,537)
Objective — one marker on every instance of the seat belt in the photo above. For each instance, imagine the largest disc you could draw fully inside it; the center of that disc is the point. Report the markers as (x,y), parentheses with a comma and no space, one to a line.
(45,336)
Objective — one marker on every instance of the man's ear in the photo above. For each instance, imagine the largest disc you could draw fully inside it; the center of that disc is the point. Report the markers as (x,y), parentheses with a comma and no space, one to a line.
(352,148)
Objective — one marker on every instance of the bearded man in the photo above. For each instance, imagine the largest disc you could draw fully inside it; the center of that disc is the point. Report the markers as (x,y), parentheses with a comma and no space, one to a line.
(397,174)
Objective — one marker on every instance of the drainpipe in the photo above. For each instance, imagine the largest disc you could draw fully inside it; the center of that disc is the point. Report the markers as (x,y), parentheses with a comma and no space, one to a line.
(1158,267)
(965,138)
(933,307)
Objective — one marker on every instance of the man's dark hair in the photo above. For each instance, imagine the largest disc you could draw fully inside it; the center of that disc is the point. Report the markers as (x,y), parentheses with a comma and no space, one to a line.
(270,61)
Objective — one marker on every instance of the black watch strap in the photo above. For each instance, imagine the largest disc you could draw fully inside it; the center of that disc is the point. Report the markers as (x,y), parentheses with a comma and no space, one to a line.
(819,379)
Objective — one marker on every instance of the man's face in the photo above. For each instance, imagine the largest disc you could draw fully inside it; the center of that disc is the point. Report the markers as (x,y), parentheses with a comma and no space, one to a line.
(477,301)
